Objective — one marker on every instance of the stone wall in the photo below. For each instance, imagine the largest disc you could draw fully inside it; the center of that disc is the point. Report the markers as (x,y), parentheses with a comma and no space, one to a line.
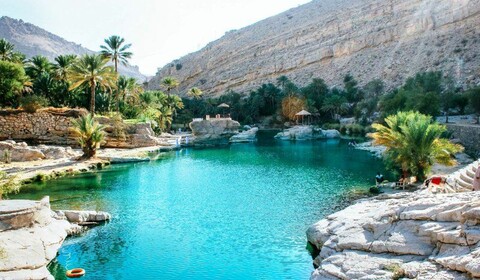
(469,136)
(51,126)
(46,126)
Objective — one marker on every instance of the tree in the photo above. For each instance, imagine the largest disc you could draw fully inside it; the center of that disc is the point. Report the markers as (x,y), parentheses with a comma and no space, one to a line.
(37,66)
(335,104)
(115,51)
(414,143)
(315,93)
(195,93)
(292,105)
(62,96)
(352,92)
(282,82)
(89,134)
(7,50)
(374,88)
(12,81)
(62,65)
(169,83)
(474,97)
(91,70)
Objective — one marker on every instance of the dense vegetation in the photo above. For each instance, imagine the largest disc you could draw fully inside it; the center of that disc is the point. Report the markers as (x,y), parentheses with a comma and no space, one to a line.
(414,143)
(89,82)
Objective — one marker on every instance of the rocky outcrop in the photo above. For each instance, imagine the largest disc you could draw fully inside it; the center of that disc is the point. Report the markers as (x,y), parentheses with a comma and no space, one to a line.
(413,235)
(30,236)
(376,150)
(32,40)
(11,151)
(306,132)
(370,39)
(246,136)
(213,131)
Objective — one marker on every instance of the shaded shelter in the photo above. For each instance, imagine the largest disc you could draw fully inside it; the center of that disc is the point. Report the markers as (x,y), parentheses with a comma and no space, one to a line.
(302,114)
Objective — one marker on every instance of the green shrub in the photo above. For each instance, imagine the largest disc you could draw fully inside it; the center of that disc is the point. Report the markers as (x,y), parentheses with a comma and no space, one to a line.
(7,156)
(355,129)
(8,184)
(31,103)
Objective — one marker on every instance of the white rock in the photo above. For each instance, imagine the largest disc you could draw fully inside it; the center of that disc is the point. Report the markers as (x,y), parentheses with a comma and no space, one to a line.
(411,230)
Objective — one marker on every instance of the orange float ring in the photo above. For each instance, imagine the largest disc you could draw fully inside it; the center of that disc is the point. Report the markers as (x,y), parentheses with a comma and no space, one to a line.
(75,273)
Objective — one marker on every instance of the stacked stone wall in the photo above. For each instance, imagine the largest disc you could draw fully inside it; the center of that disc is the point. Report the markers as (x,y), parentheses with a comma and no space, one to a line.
(469,136)
(45,126)
(51,126)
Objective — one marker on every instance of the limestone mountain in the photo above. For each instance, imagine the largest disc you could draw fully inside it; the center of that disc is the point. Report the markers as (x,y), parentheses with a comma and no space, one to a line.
(386,39)
(33,40)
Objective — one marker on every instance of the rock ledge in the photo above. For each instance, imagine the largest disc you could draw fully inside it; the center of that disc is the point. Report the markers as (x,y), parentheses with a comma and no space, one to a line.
(413,235)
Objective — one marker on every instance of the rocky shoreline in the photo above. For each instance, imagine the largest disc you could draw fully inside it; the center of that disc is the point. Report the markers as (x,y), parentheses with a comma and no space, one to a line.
(412,235)
(31,234)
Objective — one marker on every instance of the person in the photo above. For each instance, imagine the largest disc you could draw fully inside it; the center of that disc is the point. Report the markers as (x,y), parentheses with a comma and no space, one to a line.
(476,179)
(379,178)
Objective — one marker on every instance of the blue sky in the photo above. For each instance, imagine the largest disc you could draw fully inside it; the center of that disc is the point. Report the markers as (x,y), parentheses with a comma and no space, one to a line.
(160,31)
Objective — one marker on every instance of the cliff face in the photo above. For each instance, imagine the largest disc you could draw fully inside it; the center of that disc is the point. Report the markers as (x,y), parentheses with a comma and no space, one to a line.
(33,40)
(386,39)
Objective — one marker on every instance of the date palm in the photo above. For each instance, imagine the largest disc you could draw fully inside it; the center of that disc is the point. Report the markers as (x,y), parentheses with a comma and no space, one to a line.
(169,83)
(92,71)
(62,65)
(7,50)
(195,93)
(38,66)
(414,143)
(126,87)
(115,51)
(89,133)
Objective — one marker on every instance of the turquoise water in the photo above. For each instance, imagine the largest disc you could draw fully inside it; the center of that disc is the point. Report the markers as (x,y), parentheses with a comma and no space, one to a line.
(238,212)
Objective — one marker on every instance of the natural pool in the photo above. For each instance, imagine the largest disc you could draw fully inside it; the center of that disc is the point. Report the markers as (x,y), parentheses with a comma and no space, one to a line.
(238,212)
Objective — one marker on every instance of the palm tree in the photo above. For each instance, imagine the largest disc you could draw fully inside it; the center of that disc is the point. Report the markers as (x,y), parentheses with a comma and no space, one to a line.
(165,118)
(62,65)
(89,134)
(115,51)
(91,70)
(169,83)
(414,143)
(195,93)
(38,65)
(282,81)
(335,105)
(7,50)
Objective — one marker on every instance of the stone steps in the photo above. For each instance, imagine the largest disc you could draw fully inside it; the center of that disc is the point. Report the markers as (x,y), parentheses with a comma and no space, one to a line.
(463,178)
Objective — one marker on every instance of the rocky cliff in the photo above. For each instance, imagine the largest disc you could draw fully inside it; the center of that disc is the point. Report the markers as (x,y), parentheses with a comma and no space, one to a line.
(33,40)
(386,39)
(407,235)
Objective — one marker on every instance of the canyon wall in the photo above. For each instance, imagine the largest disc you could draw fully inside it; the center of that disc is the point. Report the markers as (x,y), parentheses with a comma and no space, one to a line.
(385,39)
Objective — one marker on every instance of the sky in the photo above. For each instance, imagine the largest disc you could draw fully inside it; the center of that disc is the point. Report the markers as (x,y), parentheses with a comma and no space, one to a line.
(160,31)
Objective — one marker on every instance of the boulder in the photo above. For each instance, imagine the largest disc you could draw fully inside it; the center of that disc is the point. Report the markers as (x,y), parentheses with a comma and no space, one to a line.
(213,131)
(83,216)
(245,136)
(55,152)
(306,132)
